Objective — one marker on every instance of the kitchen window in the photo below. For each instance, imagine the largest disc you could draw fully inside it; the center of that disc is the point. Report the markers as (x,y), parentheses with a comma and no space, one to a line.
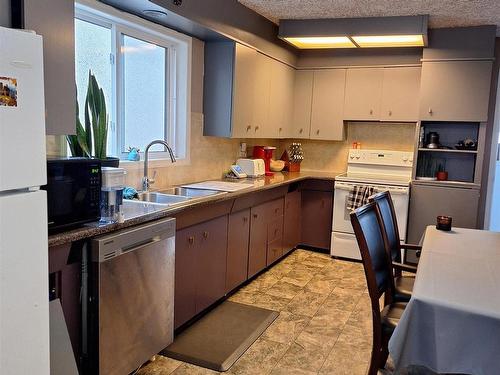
(143,69)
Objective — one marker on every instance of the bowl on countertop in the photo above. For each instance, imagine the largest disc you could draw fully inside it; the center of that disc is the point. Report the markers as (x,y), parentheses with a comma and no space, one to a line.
(277,165)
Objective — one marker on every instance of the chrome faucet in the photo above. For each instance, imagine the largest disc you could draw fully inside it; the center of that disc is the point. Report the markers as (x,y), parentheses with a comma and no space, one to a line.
(146,181)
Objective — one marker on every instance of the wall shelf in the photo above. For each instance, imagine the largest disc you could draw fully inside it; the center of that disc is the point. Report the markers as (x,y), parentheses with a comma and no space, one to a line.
(447,150)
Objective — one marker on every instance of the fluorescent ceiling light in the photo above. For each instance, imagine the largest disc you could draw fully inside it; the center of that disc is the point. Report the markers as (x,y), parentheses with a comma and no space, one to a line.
(389,40)
(321,42)
(400,31)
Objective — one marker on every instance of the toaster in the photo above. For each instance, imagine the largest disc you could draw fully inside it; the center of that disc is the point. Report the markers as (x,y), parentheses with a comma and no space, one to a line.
(252,167)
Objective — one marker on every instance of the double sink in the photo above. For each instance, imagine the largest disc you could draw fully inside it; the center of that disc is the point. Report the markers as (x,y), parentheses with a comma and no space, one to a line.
(153,201)
(176,195)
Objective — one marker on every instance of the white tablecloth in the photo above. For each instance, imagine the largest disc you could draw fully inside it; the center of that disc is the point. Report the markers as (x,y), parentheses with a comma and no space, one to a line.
(452,322)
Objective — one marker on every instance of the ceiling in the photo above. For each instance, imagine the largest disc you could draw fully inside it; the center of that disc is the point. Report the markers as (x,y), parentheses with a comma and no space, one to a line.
(443,13)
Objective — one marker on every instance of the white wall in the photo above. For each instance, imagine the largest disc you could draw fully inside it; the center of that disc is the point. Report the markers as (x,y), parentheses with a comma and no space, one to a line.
(5,13)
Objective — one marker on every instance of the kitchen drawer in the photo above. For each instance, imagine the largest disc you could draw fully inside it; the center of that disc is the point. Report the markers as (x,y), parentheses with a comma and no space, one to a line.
(275,229)
(275,208)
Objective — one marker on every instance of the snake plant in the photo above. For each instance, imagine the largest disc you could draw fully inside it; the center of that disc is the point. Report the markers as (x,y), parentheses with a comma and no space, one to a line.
(91,140)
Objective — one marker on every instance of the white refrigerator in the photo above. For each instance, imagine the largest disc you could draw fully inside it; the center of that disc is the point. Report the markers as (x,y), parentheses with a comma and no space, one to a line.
(24,304)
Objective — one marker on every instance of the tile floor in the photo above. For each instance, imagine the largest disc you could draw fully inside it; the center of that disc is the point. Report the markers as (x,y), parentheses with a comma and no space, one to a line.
(324,325)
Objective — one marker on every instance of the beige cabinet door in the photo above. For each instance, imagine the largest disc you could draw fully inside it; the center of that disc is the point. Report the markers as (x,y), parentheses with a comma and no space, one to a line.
(455,90)
(363,94)
(327,120)
(262,85)
(302,101)
(400,94)
(243,91)
(281,99)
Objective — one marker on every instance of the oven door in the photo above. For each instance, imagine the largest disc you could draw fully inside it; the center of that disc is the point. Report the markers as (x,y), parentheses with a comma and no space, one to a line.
(341,219)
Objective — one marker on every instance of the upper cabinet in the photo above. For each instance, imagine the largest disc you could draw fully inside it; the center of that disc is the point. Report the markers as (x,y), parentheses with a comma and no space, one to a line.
(246,94)
(54,20)
(261,92)
(400,94)
(385,94)
(455,90)
(245,72)
(363,94)
(281,100)
(327,112)
(302,101)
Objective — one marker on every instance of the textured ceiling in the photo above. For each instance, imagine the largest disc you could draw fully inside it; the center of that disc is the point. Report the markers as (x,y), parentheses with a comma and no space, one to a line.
(443,13)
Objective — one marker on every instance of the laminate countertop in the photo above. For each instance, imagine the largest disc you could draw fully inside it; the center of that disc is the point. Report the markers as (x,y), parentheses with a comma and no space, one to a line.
(146,214)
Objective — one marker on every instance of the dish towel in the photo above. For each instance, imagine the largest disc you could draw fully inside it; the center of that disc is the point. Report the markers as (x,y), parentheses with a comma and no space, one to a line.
(358,196)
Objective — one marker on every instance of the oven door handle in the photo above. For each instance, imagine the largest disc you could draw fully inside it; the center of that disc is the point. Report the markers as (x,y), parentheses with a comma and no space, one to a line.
(400,190)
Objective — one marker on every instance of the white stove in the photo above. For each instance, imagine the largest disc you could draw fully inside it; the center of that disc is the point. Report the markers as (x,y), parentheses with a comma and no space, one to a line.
(382,169)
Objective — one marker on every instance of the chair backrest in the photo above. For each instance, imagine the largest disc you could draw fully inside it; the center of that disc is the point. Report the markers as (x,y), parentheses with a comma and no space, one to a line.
(386,207)
(369,230)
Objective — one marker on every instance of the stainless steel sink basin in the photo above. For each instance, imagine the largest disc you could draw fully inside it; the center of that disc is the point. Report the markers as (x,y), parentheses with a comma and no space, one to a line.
(190,193)
(134,208)
(161,198)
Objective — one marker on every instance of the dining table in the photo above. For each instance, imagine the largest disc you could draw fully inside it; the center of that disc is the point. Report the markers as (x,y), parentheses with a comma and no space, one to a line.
(452,322)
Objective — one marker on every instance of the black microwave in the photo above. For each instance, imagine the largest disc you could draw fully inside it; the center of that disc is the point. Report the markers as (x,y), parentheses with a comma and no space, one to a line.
(73,192)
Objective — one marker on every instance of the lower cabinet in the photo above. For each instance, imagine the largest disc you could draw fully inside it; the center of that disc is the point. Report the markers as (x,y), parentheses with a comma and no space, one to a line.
(266,235)
(216,256)
(428,201)
(292,221)
(257,252)
(238,238)
(200,267)
(317,210)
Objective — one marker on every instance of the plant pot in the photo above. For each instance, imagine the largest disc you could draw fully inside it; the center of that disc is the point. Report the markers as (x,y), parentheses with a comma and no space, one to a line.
(110,162)
(442,176)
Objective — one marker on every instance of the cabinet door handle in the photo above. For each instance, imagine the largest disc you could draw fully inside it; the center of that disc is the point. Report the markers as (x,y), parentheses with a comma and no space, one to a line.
(256,128)
(206,234)
(255,216)
(275,231)
(430,111)
(390,113)
(248,128)
(301,130)
(317,132)
(191,240)
(276,210)
(371,111)
(280,129)
(245,219)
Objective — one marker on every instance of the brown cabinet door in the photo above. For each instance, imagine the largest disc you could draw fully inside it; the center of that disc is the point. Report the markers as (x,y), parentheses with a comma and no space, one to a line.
(185,283)
(258,239)
(275,240)
(292,224)
(317,208)
(211,262)
(237,249)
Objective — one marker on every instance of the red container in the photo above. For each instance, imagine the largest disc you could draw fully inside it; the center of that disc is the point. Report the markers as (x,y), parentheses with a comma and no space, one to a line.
(258,152)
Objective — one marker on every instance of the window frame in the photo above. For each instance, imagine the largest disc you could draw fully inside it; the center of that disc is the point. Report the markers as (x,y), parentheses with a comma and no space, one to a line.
(178,76)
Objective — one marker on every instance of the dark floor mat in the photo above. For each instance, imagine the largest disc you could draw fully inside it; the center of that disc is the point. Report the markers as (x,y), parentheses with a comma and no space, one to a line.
(218,339)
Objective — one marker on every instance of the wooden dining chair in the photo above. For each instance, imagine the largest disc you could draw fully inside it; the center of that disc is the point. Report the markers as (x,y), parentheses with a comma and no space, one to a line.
(403,285)
(368,228)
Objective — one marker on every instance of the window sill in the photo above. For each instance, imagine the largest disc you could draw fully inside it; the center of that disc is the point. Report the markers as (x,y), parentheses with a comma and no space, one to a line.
(153,163)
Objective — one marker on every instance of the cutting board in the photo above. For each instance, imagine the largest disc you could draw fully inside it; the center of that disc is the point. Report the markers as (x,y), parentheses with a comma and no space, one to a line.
(226,186)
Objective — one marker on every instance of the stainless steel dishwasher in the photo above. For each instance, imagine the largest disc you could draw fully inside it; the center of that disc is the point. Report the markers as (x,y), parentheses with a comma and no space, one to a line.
(128,297)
